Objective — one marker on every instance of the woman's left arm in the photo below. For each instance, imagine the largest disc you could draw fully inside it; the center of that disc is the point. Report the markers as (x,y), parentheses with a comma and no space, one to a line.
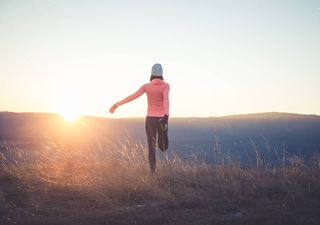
(135,95)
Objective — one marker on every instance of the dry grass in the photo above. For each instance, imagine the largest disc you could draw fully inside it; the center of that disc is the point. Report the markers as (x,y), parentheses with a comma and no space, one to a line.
(113,185)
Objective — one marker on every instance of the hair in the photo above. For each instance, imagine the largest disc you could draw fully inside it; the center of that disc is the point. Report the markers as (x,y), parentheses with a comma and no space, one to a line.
(156,77)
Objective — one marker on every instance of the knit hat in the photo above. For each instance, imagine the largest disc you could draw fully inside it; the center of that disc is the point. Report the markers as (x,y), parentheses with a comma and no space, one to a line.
(156,70)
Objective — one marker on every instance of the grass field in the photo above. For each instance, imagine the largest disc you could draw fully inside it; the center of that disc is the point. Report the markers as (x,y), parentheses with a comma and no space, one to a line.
(114,186)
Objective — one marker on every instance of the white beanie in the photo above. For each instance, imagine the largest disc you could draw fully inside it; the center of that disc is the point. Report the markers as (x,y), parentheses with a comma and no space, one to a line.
(156,70)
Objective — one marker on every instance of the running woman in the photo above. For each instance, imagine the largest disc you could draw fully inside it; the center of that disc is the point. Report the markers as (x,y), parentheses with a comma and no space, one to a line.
(156,124)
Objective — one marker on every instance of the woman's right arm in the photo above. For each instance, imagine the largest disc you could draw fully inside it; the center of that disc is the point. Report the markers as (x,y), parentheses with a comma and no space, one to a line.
(166,100)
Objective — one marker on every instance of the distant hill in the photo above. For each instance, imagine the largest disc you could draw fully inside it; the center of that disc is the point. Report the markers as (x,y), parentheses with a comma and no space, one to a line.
(270,136)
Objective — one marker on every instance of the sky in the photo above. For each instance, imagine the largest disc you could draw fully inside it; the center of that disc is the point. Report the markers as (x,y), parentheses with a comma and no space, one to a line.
(219,57)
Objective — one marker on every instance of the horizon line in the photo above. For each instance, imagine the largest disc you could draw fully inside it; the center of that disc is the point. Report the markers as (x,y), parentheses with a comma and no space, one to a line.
(176,117)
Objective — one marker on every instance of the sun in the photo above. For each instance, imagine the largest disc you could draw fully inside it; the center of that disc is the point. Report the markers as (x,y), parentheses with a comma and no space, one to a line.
(69,106)
(70,116)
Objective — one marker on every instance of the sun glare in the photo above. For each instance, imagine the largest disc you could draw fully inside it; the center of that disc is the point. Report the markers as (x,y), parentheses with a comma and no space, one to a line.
(69,106)
(70,116)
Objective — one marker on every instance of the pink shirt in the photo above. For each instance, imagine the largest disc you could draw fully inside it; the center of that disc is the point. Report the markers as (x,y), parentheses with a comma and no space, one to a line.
(158,97)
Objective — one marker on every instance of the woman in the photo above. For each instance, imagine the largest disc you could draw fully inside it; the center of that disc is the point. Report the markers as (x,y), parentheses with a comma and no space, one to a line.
(156,124)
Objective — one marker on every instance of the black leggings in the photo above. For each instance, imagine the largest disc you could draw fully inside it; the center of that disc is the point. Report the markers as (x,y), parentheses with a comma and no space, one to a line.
(156,129)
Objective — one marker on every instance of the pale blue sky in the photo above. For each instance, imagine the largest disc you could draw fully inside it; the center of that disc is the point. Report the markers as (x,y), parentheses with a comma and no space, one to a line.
(220,57)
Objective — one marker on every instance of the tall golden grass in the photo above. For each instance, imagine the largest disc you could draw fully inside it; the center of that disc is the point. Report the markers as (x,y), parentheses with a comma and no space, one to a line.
(112,184)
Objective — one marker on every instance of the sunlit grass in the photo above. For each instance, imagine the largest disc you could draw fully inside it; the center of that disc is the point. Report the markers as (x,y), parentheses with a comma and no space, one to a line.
(112,181)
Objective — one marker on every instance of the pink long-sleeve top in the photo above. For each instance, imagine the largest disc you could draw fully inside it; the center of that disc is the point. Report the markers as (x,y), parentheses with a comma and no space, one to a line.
(158,97)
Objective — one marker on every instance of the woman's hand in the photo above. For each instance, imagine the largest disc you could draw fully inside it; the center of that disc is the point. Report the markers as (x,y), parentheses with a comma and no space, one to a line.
(113,108)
